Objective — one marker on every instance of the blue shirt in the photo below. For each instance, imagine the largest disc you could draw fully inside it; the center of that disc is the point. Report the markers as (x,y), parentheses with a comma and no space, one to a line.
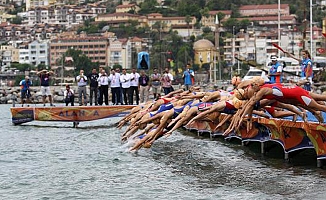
(304,65)
(187,77)
(25,84)
(272,72)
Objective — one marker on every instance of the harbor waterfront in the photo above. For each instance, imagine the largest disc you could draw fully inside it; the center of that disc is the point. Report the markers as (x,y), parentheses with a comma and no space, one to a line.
(52,160)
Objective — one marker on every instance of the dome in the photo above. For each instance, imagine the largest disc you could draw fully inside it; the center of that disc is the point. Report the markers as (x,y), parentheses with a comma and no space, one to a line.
(203,44)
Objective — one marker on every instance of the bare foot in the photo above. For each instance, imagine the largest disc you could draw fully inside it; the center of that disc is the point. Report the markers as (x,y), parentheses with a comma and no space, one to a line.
(304,116)
(295,117)
(319,117)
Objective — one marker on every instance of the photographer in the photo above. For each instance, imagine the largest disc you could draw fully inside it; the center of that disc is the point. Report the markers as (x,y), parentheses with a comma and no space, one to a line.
(82,82)
(25,92)
(167,81)
(69,96)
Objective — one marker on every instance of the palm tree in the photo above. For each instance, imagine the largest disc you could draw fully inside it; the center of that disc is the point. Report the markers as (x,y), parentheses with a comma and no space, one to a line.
(188,19)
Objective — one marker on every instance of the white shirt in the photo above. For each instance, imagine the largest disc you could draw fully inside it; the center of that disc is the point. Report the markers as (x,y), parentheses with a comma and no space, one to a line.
(103,80)
(115,80)
(81,80)
(135,81)
(65,93)
(125,80)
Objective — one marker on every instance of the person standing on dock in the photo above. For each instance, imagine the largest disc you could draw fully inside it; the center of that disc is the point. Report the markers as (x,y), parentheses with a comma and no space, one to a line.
(25,92)
(167,81)
(115,87)
(125,85)
(134,82)
(103,82)
(45,85)
(82,82)
(93,87)
(144,86)
(275,72)
(306,68)
(188,77)
(156,84)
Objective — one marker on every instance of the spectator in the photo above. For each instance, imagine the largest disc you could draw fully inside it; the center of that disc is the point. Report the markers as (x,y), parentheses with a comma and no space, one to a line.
(69,96)
(93,87)
(275,72)
(306,68)
(45,85)
(125,84)
(117,70)
(188,77)
(25,92)
(134,82)
(156,84)
(81,82)
(115,87)
(167,81)
(103,82)
(143,87)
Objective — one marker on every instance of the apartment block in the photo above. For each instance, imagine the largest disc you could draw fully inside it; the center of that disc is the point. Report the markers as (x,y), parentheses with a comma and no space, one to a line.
(264,10)
(94,47)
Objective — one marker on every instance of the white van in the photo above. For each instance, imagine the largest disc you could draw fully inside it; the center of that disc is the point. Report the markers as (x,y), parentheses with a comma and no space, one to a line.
(253,72)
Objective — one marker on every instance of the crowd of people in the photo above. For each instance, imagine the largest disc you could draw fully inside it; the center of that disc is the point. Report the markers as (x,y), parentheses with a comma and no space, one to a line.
(154,119)
(126,87)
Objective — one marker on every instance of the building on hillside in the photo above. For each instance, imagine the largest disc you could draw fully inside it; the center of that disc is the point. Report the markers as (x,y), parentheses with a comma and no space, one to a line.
(126,2)
(38,52)
(115,19)
(272,21)
(8,54)
(117,52)
(127,8)
(264,10)
(94,47)
(175,23)
(31,4)
(210,20)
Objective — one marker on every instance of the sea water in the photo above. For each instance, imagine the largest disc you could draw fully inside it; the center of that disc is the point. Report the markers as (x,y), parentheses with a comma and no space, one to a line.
(44,160)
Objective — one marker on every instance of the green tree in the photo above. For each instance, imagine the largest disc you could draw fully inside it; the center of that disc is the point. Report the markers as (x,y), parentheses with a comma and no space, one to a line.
(22,67)
(17,20)
(188,20)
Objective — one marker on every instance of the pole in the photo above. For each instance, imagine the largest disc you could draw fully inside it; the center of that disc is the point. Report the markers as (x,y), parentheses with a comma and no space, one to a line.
(233,51)
(311,28)
(217,48)
(62,75)
(292,39)
(279,25)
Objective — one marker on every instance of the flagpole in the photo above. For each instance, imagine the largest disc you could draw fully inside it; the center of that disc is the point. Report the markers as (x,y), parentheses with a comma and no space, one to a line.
(311,28)
(279,25)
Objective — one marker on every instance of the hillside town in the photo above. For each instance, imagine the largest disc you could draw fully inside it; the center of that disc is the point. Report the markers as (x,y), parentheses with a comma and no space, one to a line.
(40,33)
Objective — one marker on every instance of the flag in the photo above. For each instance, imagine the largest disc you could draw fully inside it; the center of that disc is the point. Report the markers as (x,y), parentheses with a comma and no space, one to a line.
(324,34)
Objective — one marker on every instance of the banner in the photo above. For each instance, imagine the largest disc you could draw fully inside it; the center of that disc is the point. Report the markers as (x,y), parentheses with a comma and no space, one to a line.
(68,114)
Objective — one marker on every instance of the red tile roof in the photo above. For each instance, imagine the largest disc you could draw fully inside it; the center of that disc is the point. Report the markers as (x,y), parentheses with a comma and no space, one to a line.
(126,6)
(265,6)
(214,12)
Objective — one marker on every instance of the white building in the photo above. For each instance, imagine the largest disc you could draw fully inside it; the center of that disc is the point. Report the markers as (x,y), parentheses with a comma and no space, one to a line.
(38,53)
(34,53)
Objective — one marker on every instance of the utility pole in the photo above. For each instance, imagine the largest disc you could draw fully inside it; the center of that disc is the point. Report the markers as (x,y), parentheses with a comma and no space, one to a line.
(304,28)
